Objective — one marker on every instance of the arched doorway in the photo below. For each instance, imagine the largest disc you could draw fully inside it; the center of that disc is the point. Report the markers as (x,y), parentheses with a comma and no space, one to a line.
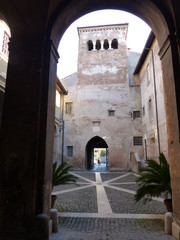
(96,145)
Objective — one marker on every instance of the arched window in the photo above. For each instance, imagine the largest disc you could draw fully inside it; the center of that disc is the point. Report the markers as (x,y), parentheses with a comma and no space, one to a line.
(106,44)
(98,45)
(90,45)
(114,44)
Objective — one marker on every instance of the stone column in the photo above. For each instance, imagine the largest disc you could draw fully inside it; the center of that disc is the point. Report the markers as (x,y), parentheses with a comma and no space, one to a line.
(102,45)
(27,130)
(171,91)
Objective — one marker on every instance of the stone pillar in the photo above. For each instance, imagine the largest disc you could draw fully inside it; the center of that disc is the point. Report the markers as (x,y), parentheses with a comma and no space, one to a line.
(110,44)
(171,91)
(102,45)
(94,45)
(27,130)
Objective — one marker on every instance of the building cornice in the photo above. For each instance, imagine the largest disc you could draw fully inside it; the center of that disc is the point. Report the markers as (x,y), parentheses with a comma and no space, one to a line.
(145,52)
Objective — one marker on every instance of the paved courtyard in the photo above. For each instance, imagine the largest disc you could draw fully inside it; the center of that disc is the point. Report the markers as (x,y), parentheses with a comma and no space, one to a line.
(101,206)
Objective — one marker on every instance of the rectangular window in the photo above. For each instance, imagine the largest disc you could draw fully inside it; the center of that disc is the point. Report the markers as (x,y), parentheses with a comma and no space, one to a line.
(69,151)
(111,112)
(137,141)
(136,114)
(68,108)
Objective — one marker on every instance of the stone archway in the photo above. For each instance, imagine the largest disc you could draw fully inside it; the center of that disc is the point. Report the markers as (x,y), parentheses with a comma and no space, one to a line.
(165,33)
(27,147)
(95,142)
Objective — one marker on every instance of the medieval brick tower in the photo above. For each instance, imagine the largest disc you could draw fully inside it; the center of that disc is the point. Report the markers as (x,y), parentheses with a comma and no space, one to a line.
(103,103)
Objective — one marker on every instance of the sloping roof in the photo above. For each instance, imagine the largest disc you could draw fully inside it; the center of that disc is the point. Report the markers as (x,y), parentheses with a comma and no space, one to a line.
(145,51)
(61,86)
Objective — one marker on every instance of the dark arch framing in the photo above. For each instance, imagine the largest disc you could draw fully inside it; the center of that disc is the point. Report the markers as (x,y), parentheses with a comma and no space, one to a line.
(162,16)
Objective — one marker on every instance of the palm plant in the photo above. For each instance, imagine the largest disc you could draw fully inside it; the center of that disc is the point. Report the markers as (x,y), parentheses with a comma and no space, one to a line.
(61,175)
(154,180)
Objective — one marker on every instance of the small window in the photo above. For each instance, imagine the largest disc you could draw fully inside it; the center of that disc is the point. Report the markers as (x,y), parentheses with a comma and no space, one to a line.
(106,44)
(69,151)
(136,114)
(90,45)
(98,45)
(111,112)
(137,141)
(114,44)
(68,108)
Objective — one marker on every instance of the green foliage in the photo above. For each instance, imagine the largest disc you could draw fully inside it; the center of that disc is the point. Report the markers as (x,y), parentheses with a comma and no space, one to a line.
(154,180)
(103,153)
(61,174)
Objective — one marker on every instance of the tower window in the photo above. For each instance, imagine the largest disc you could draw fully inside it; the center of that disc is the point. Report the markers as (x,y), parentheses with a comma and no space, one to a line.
(98,45)
(137,141)
(90,45)
(106,44)
(114,44)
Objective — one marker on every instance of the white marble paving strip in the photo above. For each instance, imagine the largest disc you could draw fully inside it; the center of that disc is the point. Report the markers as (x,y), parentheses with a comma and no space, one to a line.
(131,192)
(72,189)
(113,215)
(120,183)
(102,200)
(79,176)
(117,178)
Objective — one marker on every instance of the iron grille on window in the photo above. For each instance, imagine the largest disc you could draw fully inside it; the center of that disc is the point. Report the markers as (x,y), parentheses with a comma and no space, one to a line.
(111,112)
(137,141)
(136,114)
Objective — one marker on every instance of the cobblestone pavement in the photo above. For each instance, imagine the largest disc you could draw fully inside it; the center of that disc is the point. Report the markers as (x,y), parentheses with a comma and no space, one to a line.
(81,216)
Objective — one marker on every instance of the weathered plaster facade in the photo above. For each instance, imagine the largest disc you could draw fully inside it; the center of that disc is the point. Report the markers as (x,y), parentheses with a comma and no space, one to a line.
(59,123)
(102,85)
(152,98)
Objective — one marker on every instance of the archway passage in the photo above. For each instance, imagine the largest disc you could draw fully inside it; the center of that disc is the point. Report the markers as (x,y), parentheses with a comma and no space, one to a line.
(94,145)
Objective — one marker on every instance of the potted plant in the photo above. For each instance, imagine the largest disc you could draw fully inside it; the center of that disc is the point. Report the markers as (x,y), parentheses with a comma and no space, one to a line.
(154,181)
(61,175)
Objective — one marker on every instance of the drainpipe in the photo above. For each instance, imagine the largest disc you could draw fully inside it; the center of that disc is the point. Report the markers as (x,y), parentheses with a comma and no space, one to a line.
(62,150)
(155,98)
